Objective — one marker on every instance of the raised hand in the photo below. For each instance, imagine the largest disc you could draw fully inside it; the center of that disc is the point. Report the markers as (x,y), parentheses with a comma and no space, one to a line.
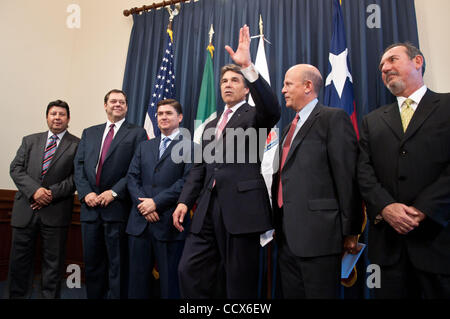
(242,55)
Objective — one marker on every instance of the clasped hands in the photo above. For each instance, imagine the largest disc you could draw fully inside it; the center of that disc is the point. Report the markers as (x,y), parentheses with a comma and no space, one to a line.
(147,208)
(103,200)
(402,218)
(42,197)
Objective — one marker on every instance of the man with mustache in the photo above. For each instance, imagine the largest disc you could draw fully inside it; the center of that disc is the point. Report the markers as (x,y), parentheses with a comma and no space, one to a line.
(404,177)
(43,173)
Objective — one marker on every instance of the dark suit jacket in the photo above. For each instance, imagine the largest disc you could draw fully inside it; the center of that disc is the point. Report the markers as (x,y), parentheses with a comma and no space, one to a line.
(240,187)
(321,202)
(114,171)
(161,179)
(26,169)
(412,168)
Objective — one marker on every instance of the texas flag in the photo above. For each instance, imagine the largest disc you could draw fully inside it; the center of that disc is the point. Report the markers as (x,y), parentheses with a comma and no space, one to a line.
(339,82)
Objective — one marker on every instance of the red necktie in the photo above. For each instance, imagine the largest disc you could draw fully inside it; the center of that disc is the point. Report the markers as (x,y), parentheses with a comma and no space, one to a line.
(106,144)
(285,151)
(220,129)
(223,123)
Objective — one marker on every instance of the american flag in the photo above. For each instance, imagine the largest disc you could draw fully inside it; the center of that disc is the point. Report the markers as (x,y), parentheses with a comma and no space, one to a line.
(164,88)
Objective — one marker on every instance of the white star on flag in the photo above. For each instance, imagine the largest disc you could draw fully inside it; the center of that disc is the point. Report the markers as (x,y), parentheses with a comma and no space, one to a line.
(339,71)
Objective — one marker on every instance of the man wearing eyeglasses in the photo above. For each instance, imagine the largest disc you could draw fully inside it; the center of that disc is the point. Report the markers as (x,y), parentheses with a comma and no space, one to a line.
(101,165)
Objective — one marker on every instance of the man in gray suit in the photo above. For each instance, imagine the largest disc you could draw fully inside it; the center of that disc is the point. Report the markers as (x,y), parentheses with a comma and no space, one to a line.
(43,173)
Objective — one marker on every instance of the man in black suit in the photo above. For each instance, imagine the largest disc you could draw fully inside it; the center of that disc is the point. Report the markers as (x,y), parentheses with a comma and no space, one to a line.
(404,177)
(233,203)
(101,166)
(316,204)
(43,173)
(155,180)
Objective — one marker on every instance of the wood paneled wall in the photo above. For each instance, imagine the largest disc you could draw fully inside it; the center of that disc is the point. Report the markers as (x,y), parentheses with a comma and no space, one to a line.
(74,253)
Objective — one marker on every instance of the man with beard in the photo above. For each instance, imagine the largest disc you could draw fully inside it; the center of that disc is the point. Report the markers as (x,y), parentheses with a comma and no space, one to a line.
(404,177)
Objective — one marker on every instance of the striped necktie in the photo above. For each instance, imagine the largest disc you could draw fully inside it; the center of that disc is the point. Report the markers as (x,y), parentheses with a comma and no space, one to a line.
(49,152)
(162,148)
(406,113)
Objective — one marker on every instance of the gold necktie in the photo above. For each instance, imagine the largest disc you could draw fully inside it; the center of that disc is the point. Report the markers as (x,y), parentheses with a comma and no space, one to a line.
(406,113)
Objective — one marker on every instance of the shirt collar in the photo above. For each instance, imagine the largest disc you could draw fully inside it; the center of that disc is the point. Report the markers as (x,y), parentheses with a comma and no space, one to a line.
(307,109)
(60,135)
(416,97)
(171,136)
(235,108)
(117,124)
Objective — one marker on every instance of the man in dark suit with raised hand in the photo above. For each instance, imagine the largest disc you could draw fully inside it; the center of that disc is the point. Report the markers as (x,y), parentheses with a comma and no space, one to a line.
(317,208)
(101,165)
(404,177)
(233,203)
(155,180)
(43,173)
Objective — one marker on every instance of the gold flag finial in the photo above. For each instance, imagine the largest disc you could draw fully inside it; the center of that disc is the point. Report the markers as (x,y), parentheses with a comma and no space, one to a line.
(260,25)
(210,47)
(211,32)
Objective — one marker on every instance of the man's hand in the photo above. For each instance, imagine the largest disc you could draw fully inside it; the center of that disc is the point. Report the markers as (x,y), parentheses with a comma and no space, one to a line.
(242,55)
(105,198)
(91,199)
(36,206)
(178,216)
(146,206)
(152,217)
(401,217)
(42,196)
(351,244)
(418,216)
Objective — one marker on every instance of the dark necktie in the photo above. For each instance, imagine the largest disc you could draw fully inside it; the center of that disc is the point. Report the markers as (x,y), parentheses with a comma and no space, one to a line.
(106,144)
(49,152)
(285,151)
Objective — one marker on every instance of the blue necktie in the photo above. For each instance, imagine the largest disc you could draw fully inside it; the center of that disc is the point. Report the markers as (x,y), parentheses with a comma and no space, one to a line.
(162,147)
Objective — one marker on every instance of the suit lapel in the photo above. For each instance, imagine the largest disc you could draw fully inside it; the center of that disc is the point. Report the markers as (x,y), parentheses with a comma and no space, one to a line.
(392,118)
(98,139)
(298,139)
(120,135)
(168,149)
(235,119)
(426,106)
(63,145)
(41,144)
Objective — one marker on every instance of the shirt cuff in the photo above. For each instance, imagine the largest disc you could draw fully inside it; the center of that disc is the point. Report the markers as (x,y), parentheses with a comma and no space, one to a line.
(250,73)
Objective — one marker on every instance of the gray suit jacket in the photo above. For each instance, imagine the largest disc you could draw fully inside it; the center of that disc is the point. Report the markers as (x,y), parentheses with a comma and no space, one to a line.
(25,170)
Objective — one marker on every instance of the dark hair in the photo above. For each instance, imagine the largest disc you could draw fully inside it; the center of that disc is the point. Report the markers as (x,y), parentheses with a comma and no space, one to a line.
(232,67)
(59,103)
(115,91)
(172,102)
(411,51)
